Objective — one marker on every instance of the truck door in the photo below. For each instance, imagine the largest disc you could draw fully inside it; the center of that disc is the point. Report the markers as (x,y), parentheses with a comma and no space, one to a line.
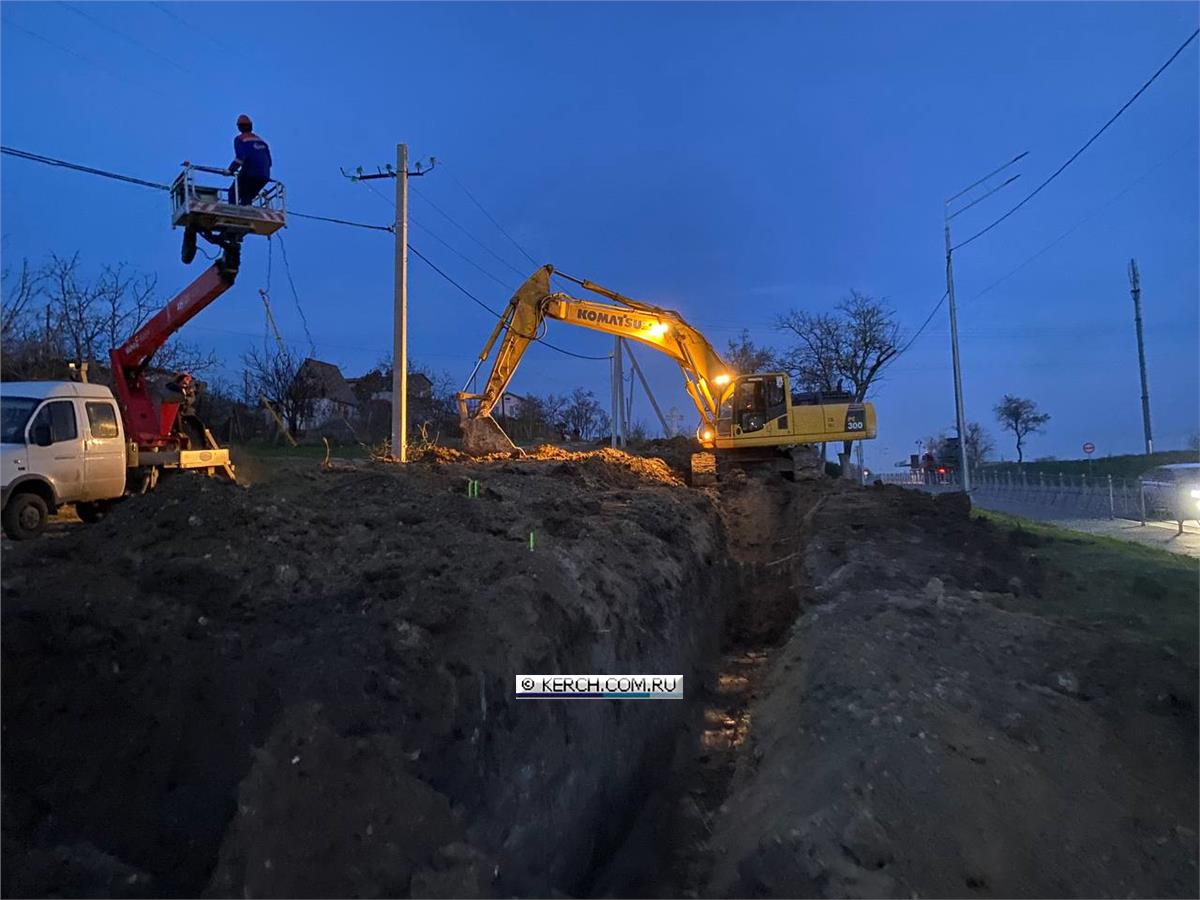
(103,453)
(55,449)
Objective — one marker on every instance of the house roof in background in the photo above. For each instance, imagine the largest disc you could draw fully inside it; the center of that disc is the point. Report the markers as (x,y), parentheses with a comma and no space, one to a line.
(330,382)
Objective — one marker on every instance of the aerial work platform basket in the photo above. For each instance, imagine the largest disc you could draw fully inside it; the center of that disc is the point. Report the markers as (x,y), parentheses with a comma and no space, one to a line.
(204,208)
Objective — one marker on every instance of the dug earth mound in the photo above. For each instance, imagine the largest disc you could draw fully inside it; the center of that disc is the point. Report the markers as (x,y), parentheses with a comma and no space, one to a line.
(305,687)
(926,729)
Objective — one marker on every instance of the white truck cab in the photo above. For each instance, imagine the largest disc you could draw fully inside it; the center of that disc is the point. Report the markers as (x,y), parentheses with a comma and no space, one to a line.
(61,442)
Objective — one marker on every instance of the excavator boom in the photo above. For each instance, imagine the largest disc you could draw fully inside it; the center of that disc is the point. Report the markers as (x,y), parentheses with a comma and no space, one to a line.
(750,414)
(524,318)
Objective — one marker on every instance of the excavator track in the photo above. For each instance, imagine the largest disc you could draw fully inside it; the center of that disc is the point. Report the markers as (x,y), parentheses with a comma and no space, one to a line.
(798,463)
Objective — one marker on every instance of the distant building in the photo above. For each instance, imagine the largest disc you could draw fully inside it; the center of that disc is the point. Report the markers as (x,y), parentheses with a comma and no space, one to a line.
(510,406)
(330,398)
(377,385)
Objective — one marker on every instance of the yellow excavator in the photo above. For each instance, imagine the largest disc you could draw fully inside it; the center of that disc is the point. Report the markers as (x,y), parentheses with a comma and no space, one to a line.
(745,417)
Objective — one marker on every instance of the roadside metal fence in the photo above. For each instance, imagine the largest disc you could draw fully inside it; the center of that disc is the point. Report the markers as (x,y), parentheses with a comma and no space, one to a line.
(1076,496)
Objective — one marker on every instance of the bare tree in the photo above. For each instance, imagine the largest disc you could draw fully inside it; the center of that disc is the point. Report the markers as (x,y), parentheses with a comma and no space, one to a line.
(551,408)
(813,360)
(848,349)
(25,347)
(980,445)
(746,357)
(276,376)
(871,341)
(20,291)
(944,449)
(1021,417)
(538,417)
(85,318)
(583,416)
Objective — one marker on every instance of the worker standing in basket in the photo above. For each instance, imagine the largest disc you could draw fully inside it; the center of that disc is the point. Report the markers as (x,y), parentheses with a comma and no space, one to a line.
(251,164)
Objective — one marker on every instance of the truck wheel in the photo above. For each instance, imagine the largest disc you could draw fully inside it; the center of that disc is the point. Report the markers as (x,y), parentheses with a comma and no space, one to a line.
(92,512)
(25,516)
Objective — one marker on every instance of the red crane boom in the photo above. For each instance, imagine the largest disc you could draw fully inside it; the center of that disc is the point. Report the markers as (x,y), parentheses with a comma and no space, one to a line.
(151,425)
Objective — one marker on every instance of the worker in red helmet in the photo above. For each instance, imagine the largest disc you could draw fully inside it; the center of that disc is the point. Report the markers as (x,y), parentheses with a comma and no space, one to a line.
(251,163)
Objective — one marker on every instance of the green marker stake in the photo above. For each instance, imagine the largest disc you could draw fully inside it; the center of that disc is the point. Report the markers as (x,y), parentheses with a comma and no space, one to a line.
(531,542)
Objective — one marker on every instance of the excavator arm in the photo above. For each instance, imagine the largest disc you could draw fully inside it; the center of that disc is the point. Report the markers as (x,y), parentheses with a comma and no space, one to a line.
(705,373)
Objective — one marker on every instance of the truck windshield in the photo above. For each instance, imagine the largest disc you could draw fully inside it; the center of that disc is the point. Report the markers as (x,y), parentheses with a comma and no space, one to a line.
(14,415)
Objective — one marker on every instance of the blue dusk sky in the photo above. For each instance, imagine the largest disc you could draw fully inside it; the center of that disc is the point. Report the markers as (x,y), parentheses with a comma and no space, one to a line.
(732,161)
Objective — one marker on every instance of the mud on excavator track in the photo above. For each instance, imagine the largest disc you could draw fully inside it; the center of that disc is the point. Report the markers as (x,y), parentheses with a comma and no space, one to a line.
(798,463)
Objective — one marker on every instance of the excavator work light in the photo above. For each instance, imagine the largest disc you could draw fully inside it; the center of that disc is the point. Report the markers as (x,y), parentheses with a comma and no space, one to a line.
(658,329)
(721,380)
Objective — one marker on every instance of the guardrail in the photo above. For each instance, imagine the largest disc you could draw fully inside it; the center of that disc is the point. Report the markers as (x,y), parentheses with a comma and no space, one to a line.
(1101,496)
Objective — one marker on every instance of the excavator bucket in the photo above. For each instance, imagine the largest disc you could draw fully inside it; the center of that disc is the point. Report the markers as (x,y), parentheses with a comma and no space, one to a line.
(484,435)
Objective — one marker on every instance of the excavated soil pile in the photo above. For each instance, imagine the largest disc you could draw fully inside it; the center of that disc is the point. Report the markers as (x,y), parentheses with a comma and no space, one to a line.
(925,730)
(305,687)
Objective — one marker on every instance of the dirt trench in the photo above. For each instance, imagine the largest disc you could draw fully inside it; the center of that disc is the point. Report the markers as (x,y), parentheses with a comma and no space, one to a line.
(668,851)
(306,687)
(902,709)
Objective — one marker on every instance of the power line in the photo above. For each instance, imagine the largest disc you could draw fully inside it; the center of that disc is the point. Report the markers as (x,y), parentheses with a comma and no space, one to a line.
(491,218)
(924,325)
(117,176)
(449,218)
(334,221)
(192,30)
(50,161)
(1109,202)
(495,313)
(388,200)
(98,23)
(1089,143)
(461,255)
(1095,212)
(46,160)
(295,296)
(9,23)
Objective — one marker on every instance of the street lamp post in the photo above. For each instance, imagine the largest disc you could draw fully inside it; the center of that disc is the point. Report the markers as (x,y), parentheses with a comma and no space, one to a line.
(959,415)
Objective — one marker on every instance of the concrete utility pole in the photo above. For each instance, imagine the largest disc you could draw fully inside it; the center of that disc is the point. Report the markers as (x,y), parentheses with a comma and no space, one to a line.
(400,319)
(646,387)
(959,416)
(618,400)
(1135,290)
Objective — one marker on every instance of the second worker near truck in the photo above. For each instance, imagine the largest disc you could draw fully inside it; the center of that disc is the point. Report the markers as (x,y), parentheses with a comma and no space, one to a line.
(251,163)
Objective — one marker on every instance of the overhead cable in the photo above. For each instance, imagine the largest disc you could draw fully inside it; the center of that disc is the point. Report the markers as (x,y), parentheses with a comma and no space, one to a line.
(1074,156)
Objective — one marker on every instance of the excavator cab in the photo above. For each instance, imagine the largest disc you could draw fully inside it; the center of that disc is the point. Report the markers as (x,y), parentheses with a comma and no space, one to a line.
(213,212)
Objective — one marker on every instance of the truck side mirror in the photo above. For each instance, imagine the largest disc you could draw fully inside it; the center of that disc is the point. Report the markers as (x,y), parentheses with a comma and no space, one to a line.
(42,435)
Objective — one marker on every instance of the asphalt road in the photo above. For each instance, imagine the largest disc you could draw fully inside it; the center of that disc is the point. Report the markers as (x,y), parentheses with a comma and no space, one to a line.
(1161,534)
